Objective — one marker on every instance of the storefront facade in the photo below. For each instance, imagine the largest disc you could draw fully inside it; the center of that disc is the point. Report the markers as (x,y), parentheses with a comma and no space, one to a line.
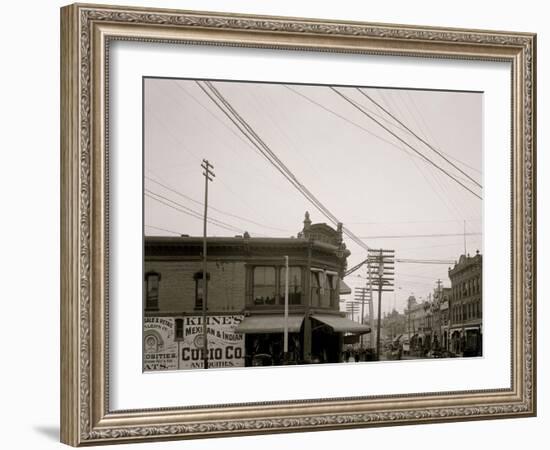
(246,293)
(466,306)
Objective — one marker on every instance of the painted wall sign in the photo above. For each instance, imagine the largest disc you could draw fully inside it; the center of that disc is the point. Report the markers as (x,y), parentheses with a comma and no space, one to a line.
(160,350)
(225,347)
(163,351)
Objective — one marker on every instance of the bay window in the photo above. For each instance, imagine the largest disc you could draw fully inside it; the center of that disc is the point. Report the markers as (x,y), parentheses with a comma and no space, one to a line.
(265,287)
(294,285)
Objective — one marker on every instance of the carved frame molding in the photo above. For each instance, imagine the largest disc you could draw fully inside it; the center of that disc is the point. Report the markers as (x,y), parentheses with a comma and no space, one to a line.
(86,32)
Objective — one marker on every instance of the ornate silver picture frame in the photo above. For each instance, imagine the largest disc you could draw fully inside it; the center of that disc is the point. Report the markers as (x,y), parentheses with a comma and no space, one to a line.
(87,34)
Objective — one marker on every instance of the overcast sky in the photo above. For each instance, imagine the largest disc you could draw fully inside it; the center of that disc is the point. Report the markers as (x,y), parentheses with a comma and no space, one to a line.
(367,178)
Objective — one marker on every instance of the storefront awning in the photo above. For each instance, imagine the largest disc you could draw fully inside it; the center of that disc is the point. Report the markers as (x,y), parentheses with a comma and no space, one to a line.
(269,323)
(344,288)
(341,325)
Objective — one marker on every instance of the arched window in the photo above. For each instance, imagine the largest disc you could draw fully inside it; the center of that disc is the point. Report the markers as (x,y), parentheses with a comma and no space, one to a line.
(152,280)
(199,288)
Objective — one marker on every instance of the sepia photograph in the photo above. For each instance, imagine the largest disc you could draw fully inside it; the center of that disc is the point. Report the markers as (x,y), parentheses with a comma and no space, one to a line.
(294,224)
(331,222)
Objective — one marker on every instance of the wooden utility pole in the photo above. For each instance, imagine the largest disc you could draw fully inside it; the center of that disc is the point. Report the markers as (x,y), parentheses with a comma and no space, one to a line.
(362,295)
(409,320)
(371,305)
(285,334)
(381,271)
(208,176)
(352,308)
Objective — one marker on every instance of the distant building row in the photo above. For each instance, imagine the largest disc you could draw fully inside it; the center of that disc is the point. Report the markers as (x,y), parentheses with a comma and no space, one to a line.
(451,320)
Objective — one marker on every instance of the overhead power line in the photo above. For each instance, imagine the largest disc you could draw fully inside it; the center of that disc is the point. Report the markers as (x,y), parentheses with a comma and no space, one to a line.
(235,216)
(425,261)
(427,133)
(405,236)
(431,178)
(418,137)
(225,106)
(269,154)
(406,222)
(345,119)
(190,212)
(162,229)
(362,128)
(362,110)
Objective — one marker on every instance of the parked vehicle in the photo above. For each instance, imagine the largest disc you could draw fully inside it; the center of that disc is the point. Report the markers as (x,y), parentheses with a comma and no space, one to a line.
(262,359)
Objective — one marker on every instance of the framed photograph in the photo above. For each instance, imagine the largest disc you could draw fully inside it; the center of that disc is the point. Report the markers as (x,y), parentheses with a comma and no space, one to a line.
(275,224)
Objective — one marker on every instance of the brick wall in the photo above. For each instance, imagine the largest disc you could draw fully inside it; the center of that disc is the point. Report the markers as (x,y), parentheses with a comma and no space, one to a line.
(226,288)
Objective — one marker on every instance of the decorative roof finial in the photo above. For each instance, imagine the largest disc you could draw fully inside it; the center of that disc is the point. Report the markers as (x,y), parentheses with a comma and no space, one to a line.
(340,231)
(307,221)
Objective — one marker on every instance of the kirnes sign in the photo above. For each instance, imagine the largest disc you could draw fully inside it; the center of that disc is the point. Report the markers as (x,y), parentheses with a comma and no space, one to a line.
(168,349)
(225,347)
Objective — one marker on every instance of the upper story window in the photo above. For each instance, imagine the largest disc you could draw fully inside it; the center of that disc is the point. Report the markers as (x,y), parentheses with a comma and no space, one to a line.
(317,283)
(265,286)
(332,288)
(152,280)
(178,331)
(199,288)
(324,288)
(294,285)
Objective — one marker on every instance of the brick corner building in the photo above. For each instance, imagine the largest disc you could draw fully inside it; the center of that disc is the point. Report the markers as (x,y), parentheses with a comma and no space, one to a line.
(465,306)
(245,306)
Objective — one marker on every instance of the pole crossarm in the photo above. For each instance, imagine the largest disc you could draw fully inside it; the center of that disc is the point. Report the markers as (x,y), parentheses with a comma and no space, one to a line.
(380,271)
